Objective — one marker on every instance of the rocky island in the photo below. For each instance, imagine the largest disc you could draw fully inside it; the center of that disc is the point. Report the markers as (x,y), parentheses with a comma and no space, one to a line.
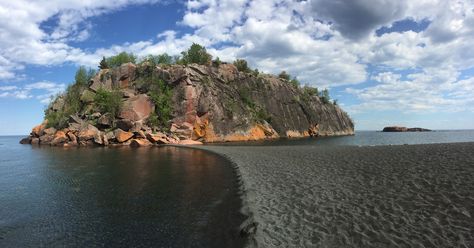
(405,129)
(187,100)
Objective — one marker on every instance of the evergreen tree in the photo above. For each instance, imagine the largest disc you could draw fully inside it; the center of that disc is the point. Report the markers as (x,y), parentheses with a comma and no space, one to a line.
(103,64)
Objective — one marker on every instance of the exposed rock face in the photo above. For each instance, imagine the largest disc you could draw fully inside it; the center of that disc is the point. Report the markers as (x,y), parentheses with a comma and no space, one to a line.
(222,104)
(208,104)
(404,129)
(122,136)
(137,108)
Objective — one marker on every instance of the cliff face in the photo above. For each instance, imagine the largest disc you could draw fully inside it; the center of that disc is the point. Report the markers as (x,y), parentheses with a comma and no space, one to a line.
(208,104)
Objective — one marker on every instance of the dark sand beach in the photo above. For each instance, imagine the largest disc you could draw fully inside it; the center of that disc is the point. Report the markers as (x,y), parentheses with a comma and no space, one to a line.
(349,196)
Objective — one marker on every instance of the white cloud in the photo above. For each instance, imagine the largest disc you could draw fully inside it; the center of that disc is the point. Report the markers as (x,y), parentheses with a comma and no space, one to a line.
(42,91)
(324,43)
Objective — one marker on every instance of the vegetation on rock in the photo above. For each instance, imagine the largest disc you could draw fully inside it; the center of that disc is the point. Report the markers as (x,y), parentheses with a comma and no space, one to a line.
(196,54)
(241,65)
(108,101)
(120,59)
(164,100)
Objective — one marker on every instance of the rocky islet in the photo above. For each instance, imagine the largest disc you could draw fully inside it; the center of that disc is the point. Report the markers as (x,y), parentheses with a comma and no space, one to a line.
(209,103)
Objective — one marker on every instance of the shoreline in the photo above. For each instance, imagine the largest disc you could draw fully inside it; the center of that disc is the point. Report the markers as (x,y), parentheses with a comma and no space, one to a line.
(267,172)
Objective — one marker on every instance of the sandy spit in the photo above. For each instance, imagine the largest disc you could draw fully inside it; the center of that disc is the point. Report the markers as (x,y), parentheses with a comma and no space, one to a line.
(347,196)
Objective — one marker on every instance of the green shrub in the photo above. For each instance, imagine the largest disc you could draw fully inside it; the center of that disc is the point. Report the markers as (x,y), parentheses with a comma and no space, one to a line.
(334,102)
(161,94)
(217,62)
(310,91)
(284,75)
(120,59)
(255,72)
(325,98)
(295,82)
(56,119)
(82,77)
(164,59)
(108,101)
(196,54)
(241,65)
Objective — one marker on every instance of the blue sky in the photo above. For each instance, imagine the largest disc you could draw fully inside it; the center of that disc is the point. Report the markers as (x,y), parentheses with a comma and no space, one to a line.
(387,62)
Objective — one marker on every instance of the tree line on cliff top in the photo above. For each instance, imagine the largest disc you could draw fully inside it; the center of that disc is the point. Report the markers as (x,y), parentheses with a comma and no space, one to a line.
(110,101)
(198,54)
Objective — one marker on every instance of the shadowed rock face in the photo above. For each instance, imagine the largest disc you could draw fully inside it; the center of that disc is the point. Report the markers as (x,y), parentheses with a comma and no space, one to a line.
(226,105)
(209,104)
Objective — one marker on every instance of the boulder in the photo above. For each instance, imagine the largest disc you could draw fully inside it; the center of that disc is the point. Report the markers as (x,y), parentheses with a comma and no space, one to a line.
(158,138)
(102,80)
(26,140)
(35,141)
(105,121)
(46,139)
(122,136)
(125,74)
(128,93)
(50,131)
(98,138)
(38,130)
(87,96)
(88,133)
(137,108)
(105,139)
(189,142)
(124,124)
(140,134)
(140,142)
(72,137)
(110,136)
(59,138)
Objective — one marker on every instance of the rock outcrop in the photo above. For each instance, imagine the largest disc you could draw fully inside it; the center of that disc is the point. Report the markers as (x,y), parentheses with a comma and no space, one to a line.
(404,129)
(207,104)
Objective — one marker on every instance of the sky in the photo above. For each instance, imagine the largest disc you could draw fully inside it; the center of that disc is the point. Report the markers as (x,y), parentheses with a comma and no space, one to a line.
(387,62)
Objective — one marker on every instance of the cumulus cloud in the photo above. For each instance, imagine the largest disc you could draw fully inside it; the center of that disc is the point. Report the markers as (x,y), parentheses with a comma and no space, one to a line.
(325,43)
(358,18)
(43,91)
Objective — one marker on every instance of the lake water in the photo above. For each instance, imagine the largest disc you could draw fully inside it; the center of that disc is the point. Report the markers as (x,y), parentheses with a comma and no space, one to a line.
(373,138)
(122,197)
(100,197)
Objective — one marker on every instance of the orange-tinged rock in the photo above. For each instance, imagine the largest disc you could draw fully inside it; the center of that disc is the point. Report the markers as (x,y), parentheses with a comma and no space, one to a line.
(140,142)
(122,136)
(159,138)
(38,130)
(189,142)
(87,133)
(59,138)
(137,108)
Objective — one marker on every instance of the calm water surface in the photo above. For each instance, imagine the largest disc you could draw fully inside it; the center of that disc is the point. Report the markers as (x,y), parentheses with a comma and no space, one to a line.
(96,197)
(374,138)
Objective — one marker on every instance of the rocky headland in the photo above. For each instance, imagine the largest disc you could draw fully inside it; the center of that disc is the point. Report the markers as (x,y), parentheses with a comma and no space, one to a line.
(147,103)
(405,129)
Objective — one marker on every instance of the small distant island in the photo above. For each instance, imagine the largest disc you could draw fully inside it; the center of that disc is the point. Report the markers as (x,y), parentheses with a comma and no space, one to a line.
(188,99)
(405,129)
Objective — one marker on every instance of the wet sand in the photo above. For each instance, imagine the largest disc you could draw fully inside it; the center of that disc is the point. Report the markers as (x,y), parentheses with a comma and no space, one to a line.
(347,196)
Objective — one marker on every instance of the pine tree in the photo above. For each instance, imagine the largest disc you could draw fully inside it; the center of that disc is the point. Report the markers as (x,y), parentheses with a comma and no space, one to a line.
(103,64)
